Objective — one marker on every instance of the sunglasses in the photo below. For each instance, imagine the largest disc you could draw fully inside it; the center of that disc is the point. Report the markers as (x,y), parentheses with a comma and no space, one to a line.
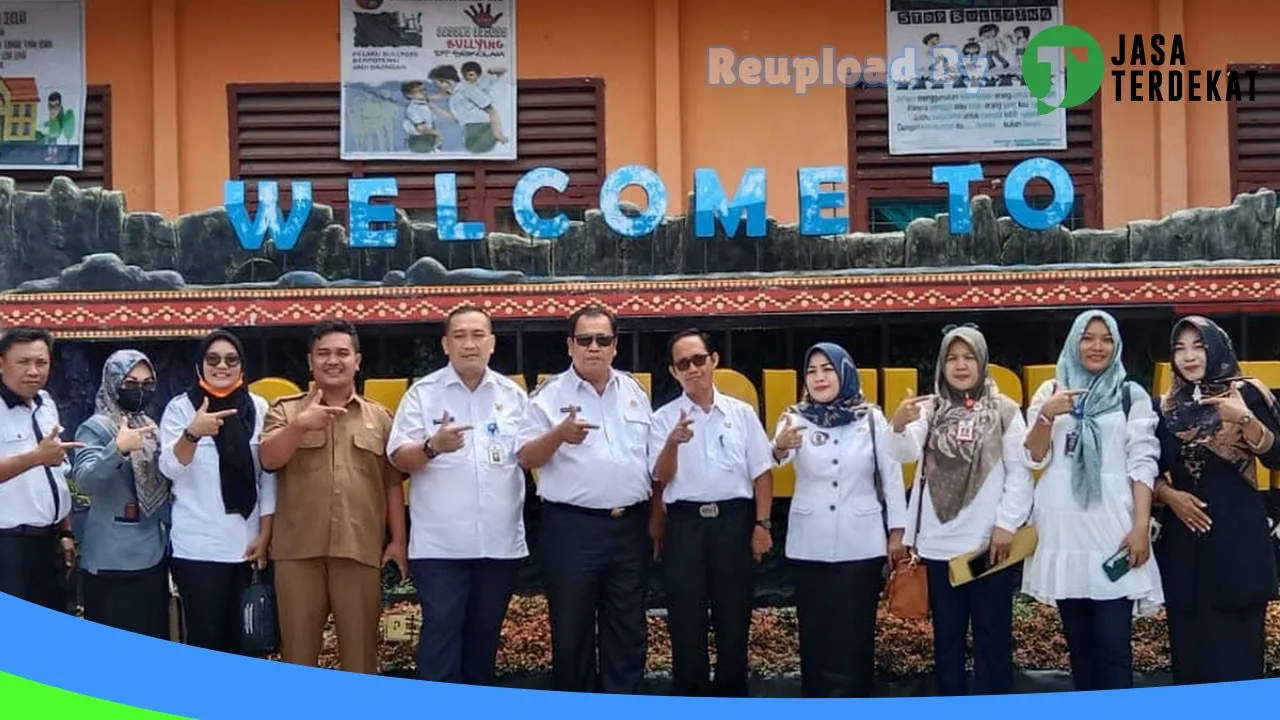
(699,360)
(138,385)
(214,360)
(603,341)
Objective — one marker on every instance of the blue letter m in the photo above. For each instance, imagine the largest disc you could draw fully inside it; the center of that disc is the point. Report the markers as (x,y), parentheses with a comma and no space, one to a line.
(710,204)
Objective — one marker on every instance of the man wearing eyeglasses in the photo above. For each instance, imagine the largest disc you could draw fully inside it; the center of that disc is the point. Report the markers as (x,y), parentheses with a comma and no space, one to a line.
(712,498)
(587,433)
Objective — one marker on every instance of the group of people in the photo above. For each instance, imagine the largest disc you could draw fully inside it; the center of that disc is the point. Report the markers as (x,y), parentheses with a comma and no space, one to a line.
(226,482)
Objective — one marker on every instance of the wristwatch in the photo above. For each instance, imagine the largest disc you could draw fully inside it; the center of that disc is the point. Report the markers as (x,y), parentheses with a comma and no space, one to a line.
(430,451)
(190,438)
(766,523)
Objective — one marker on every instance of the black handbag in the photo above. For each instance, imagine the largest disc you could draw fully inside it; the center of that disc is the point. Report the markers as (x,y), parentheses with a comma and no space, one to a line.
(259,623)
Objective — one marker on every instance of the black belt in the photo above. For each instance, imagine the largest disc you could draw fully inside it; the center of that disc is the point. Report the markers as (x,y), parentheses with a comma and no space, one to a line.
(615,513)
(32,531)
(706,510)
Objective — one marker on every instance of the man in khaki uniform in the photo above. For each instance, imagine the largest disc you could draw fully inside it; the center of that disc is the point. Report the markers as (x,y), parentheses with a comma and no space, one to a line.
(337,498)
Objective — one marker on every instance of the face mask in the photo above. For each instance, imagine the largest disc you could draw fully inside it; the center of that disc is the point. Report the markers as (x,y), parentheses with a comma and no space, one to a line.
(134,400)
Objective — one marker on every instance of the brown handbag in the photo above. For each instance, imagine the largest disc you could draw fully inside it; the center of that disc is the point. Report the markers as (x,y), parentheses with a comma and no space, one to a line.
(907,589)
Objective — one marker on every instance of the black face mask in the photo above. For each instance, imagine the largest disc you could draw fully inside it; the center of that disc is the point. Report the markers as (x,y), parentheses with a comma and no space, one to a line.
(134,400)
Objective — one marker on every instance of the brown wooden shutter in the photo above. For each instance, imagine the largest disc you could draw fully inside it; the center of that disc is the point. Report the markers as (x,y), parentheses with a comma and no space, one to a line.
(291,131)
(874,173)
(1253,128)
(97,148)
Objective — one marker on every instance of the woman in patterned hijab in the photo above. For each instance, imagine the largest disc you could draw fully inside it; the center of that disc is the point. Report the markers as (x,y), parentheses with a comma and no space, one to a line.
(126,578)
(1217,560)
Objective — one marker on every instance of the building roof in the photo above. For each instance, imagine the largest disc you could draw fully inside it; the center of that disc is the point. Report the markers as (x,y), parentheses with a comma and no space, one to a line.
(22,89)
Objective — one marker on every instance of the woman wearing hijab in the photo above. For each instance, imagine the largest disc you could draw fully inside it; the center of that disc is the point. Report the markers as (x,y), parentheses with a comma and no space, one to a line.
(1092,507)
(978,493)
(1217,558)
(842,526)
(223,503)
(126,578)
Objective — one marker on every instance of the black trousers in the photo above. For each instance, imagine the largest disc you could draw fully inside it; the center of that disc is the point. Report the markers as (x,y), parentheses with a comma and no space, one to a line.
(987,603)
(1099,642)
(707,563)
(595,573)
(134,601)
(211,602)
(463,605)
(1217,644)
(836,604)
(32,569)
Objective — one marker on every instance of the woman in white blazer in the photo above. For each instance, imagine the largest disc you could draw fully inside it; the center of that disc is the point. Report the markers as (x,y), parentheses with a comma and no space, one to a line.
(842,526)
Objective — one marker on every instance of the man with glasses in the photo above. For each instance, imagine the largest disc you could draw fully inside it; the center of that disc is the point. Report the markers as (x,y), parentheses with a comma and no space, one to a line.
(712,498)
(36,542)
(587,433)
(455,435)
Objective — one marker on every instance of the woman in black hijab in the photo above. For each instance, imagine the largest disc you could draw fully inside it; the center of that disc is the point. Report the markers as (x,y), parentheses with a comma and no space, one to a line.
(1216,557)
(223,503)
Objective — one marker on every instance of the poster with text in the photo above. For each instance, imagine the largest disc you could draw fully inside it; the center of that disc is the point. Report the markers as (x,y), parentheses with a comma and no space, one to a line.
(428,80)
(42,85)
(955,79)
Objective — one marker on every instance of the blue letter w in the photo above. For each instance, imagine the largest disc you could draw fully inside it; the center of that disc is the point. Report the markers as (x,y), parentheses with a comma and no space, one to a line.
(252,232)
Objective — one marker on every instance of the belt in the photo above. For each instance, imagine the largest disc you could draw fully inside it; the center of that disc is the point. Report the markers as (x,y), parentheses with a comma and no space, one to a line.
(614,513)
(33,531)
(708,510)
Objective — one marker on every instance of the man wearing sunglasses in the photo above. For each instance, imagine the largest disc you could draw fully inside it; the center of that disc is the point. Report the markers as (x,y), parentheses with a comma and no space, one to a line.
(712,498)
(588,435)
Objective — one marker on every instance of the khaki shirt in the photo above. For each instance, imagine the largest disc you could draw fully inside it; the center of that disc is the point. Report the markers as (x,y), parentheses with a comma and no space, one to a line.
(332,494)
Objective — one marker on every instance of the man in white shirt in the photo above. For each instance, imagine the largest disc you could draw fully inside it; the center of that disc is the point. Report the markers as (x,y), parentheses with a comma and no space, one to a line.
(710,519)
(37,548)
(588,434)
(455,435)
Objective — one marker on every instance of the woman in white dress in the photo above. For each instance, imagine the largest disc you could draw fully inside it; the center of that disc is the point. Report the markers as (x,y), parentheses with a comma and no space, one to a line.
(977,493)
(1093,434)
(842,526)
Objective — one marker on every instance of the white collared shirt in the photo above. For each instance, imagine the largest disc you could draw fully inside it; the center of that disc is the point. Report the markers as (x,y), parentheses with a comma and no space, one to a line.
(202,527)
(728,450)
(1004,500)
(468,503)
(610,469)
(835,512)
(27,498)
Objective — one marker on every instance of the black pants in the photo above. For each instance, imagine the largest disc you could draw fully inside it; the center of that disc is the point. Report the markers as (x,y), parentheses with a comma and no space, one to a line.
(1217,644)
(595,572)
(836,605)
(32,569)
(135,601)
(708,562)
(463,605)
(211,602)
(987,603)
(1099,641)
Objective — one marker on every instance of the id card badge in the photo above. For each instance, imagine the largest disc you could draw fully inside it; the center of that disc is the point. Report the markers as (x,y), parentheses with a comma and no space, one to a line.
(964,432)
(495,454)
(1073,440)
(131,513)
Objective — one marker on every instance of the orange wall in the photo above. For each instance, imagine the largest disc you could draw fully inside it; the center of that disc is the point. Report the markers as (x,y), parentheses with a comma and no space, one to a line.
(169,62)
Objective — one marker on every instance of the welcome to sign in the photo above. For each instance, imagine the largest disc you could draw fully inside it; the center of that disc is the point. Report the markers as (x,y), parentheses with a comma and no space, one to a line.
(368,219)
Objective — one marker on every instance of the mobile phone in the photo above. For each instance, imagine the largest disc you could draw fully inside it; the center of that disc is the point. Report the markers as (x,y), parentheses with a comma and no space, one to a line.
(980,563)
(1117,565)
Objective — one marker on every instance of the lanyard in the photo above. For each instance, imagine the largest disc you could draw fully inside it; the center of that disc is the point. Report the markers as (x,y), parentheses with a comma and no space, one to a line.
(48,472)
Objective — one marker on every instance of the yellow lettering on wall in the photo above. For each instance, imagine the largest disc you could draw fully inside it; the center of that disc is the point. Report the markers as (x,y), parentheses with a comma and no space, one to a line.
(780,392)
(897,381)
(1007,381)
(274,388)
(1035,375)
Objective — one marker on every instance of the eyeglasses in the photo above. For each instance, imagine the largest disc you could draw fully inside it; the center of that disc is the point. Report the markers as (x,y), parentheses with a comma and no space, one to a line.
(131,384)
(698,360)
(214,360)
(603,341)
